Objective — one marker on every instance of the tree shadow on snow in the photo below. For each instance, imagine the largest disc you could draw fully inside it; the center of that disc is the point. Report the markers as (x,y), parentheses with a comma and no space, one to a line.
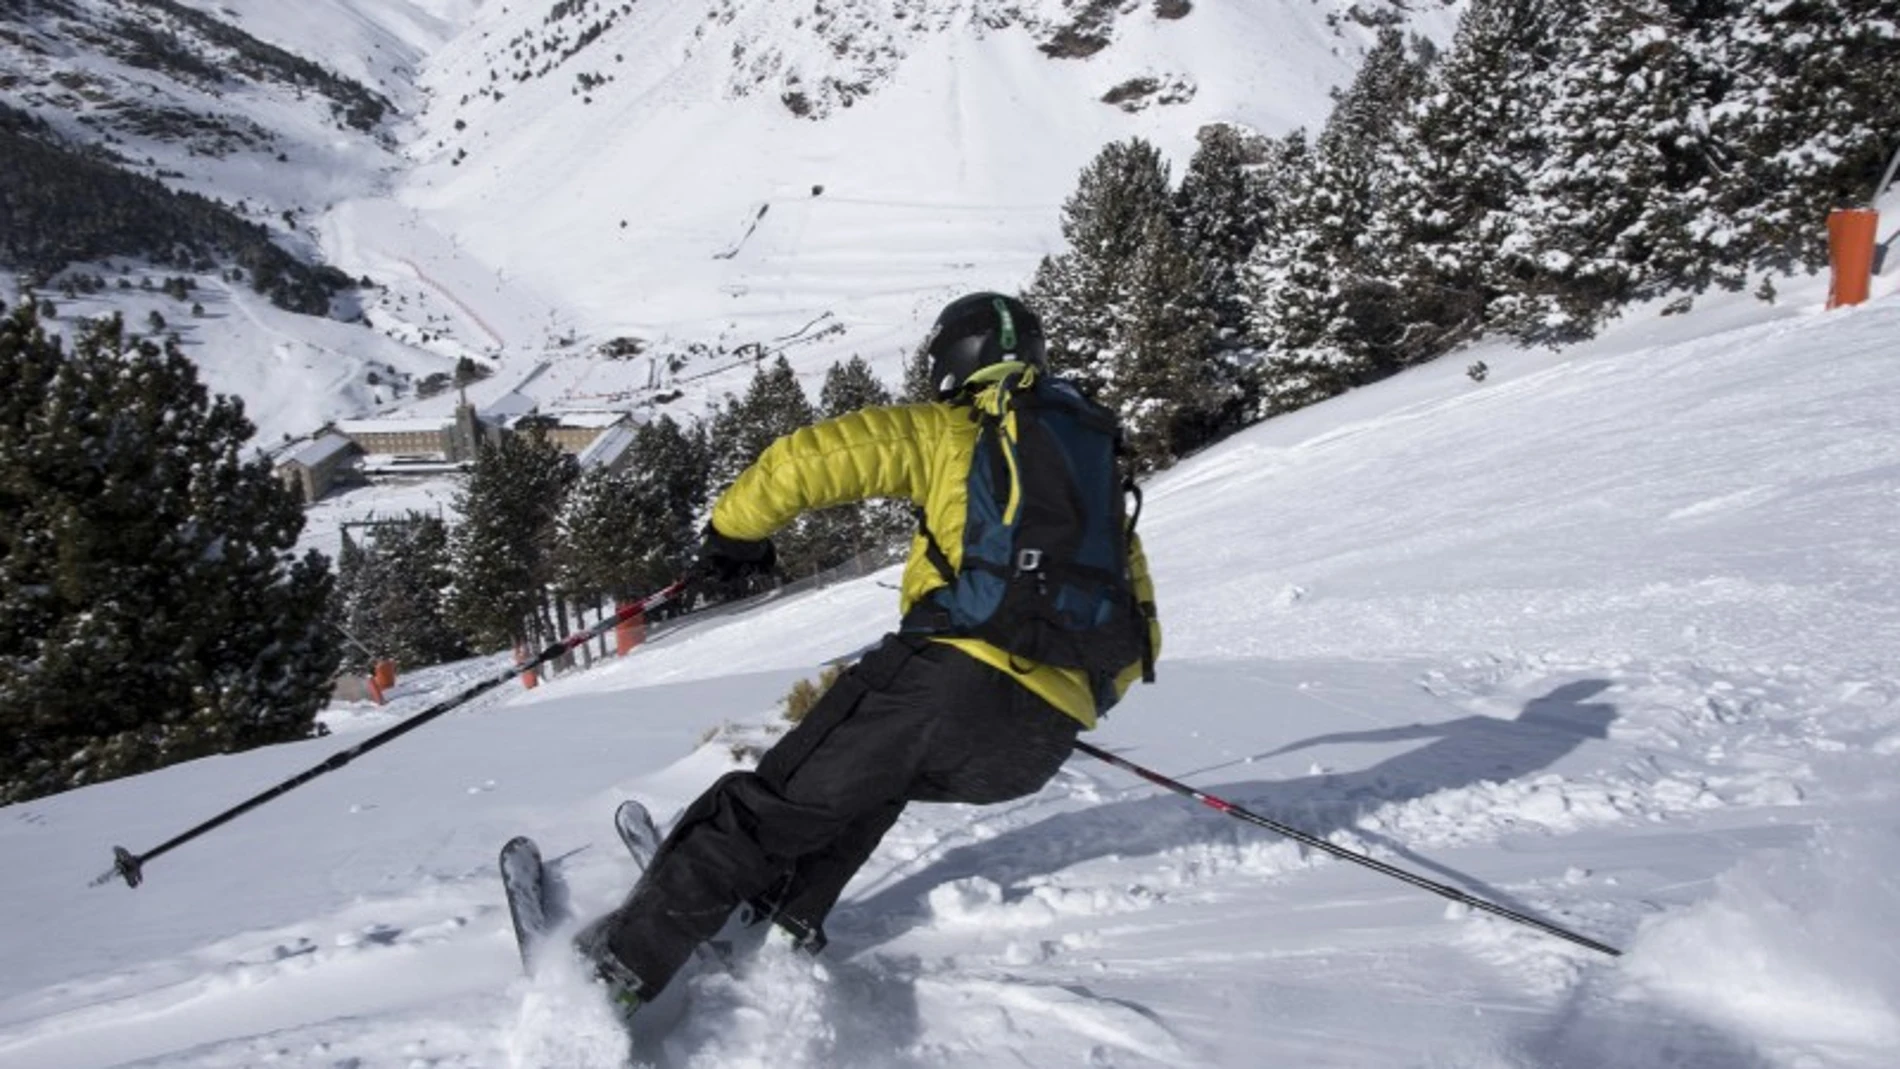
(1458,753)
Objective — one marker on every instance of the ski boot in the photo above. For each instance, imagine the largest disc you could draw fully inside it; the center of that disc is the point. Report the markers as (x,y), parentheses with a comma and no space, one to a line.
(785,929)
(622,986)
(797,934)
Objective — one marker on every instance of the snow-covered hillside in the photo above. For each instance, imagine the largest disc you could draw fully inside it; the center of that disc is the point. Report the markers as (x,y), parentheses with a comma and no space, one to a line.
(1607,638)
(241,103)
(702,177)
(693,172)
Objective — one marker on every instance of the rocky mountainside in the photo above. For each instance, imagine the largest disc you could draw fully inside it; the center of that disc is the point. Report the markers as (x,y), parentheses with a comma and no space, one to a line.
(174,92)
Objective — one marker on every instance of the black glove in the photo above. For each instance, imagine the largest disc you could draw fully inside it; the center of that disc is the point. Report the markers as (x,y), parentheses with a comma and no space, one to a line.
(729,562)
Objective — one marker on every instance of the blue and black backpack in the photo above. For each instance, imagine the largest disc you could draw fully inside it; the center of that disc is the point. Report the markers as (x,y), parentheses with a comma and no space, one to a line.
(1045,572)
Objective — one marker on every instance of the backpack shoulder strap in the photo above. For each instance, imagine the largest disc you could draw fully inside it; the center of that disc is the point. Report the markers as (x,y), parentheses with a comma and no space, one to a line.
(933,550)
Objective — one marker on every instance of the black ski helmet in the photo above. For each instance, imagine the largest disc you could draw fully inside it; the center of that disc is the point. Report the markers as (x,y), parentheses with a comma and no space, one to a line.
(979,331)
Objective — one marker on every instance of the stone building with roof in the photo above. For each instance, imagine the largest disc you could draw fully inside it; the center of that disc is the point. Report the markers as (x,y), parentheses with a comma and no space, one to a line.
(575,432)
(411,446)
(318,465)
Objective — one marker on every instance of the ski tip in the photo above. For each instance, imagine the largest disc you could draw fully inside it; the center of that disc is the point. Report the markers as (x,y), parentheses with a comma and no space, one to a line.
(518,844)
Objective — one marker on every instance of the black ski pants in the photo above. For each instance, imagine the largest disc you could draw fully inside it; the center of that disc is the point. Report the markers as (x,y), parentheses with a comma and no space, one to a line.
(913,721)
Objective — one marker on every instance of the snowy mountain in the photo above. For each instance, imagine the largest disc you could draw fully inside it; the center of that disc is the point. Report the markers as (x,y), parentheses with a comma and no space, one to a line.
(1607,639)
(268,125)
(522,183)
(818,180)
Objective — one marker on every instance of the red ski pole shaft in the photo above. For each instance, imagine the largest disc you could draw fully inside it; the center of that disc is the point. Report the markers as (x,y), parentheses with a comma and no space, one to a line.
(1317,843)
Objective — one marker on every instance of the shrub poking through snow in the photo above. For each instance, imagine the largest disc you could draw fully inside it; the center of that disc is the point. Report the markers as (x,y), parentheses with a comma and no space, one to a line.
(805,693)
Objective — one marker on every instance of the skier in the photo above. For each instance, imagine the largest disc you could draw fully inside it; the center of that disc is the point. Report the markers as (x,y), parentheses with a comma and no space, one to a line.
(920,717)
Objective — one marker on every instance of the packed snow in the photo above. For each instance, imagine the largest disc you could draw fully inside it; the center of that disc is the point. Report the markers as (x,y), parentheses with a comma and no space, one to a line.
(1606,640)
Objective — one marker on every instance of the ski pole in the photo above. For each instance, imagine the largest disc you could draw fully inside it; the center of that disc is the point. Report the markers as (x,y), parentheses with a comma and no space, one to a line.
(1232,810)
(131,866)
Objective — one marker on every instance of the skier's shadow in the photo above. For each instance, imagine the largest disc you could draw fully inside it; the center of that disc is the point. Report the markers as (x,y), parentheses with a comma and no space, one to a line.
(1459,753)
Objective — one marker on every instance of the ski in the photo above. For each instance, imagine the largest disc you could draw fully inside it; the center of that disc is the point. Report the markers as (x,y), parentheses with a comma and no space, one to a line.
(637,832)
(536,903)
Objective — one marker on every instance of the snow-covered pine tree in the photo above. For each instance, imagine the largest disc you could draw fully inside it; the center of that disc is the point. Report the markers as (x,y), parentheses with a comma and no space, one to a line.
(1625,203)
(1079,293)
(1321,296)
(1221,217)
(503,549)
(152,607)
(1159,381)
(1224,210)
(628,531)
(1456,163)
(1127,306)
(1809,116)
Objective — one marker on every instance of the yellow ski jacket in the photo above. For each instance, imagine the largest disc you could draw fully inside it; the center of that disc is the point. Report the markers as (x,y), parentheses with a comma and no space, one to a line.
(920,453)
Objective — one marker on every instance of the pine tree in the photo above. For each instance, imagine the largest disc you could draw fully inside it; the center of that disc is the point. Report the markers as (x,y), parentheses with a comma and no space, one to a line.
(1625,203)
(774,405)
(391,595)
(1458,163)
(1221,217)
(153,609)
(1808,115)
(596,548)
(1127,308)
(415,611)
(626,532)
(850,386)
(503,550)
(1224,211)
(1078,293)
(1159,383)
(358,573)
(917,384)
(1322,300)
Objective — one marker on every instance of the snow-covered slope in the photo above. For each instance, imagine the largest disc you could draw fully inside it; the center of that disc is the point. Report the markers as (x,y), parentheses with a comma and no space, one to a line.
(1607,638)
(381,44)
(278,111)
(817,179)
(177,93)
